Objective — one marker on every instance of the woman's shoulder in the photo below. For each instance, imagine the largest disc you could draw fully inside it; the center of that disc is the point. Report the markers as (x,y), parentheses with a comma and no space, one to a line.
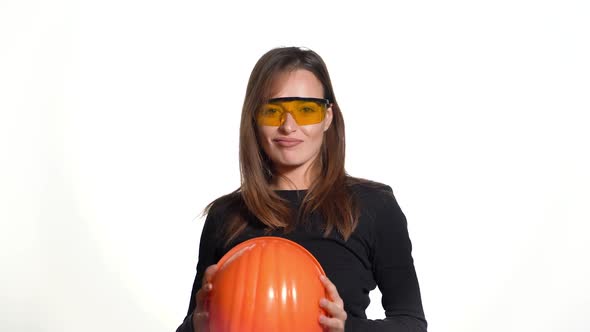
(364,188)
(373,197)
(378,204)
(226,204)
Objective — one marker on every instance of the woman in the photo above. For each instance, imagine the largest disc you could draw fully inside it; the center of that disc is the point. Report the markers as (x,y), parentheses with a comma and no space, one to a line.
(293,185)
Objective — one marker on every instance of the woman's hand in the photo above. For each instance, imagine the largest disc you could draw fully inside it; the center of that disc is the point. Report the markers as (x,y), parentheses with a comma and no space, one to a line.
(334,306)
(201,313)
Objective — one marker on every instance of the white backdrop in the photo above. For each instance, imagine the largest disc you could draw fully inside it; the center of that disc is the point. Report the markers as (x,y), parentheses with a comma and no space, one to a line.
(119,123)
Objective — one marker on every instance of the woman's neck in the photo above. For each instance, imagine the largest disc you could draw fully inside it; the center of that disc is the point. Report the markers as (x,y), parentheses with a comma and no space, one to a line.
(295,178)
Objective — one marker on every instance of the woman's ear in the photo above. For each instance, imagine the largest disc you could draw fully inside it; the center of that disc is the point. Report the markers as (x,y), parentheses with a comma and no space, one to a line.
(328,118)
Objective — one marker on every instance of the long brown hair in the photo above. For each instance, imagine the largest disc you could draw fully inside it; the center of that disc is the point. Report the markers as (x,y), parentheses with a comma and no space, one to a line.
(329,194)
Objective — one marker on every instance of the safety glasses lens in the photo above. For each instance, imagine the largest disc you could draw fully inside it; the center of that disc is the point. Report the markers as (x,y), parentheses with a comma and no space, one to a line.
(305,112)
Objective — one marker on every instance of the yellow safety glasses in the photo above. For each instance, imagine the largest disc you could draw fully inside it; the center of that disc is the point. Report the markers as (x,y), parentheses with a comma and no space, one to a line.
(305,111)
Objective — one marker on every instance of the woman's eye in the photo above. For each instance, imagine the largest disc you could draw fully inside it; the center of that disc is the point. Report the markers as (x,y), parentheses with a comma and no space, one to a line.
(307,110)
(270,111)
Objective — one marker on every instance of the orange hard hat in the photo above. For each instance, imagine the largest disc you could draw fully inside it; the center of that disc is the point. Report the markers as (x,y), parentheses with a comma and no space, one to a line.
(266,284)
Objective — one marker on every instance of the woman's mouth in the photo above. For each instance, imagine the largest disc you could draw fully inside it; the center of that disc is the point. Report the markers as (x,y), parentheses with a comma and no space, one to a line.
(286,142)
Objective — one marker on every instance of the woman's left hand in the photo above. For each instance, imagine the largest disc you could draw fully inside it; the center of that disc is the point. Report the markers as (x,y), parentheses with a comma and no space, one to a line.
(334,307)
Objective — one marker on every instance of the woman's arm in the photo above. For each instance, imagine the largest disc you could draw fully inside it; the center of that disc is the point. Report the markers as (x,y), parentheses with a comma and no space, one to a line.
(394,272)
(207,257)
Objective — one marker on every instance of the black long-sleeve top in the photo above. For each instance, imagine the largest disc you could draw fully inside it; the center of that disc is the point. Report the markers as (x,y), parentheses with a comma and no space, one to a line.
(378,253)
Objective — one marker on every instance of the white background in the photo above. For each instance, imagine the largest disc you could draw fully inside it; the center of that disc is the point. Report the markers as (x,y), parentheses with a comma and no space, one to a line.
(119,122)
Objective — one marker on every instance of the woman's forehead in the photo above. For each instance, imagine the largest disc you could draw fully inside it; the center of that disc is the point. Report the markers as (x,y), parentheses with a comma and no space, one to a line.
(296,83)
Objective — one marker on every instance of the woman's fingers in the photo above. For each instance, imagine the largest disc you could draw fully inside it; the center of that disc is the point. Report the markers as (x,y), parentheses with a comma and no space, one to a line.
(201,321)
(209,273)
(201,313)
(206,287)
(334,307)
(332,323)
(202,296)
(332,291)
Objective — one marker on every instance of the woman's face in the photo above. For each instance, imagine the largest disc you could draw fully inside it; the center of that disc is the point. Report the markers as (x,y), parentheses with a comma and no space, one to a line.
(290,145)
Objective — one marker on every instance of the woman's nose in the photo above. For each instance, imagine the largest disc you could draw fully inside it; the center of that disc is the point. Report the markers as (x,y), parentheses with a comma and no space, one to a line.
(288,124)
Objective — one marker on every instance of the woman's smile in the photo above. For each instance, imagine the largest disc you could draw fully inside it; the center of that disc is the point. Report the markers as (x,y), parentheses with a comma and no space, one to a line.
(287,142)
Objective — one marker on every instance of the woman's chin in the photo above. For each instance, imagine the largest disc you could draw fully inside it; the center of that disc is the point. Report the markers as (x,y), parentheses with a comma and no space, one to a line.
(289,165)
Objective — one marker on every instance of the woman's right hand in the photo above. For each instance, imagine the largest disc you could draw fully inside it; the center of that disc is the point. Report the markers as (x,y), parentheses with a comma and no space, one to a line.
(201,313)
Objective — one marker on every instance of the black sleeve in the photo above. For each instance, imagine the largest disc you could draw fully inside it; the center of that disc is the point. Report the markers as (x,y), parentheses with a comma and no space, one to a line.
(393,268)
(207,257)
